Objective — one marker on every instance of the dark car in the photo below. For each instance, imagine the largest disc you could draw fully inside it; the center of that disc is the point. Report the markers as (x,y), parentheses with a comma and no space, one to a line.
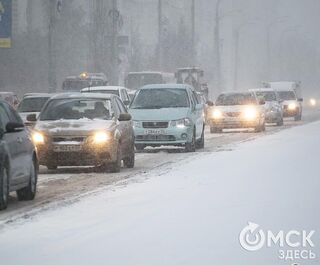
(84,129)
(18,158)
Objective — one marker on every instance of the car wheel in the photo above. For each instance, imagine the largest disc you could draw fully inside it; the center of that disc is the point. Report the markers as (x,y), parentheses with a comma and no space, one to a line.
(200,142)
(129,160)
(4,187)
(116,166)
(191,147)
(298,117)
(140,147)
(52,166)
(215,130)
(28,193)
(260,128)
(280,122)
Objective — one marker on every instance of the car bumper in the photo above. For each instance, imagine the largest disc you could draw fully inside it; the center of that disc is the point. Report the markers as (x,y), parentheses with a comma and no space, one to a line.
(273,117)
(233,124)
(291,113)
(167,136)
(88,155)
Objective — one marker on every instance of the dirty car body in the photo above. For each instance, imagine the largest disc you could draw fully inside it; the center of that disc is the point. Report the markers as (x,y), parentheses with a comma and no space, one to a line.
(81,129)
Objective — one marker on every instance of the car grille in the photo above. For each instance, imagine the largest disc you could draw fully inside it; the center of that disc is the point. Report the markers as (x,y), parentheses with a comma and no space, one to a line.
(155,125)
(233,114)
(68,139)
(155,138)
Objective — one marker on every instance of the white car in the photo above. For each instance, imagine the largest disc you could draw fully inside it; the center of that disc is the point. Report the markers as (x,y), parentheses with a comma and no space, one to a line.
(291,104)
(114,90)
(32,104)
(237,110)
(273,107)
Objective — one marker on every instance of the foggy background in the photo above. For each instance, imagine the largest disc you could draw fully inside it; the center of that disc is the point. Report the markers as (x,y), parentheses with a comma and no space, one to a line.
(238,43)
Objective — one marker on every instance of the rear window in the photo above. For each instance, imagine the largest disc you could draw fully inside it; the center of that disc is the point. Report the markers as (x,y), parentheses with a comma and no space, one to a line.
(32,104)
(267,95)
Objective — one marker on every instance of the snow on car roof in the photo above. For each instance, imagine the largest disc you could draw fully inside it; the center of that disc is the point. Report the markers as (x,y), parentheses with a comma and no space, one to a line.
(37,95)
(101,88)
(166,86)
(83,95)
(262,89)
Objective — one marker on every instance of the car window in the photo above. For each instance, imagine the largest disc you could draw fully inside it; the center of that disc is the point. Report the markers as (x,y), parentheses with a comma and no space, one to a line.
(4,117)
(195,98)
(122,108)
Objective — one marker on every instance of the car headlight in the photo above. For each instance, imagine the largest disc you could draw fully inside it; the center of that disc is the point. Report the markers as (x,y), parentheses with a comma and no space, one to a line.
(313,102)
(292,106)
(216,114)
(250,113)
(37,138)
(101,137)
(137,124)
(181,123)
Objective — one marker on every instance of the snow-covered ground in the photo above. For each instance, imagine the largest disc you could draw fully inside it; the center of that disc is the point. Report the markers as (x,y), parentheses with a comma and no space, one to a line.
(192,214)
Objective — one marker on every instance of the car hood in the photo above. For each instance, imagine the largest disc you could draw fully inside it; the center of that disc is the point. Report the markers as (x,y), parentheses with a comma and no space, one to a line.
(73,127)
(24,115)
(167,114)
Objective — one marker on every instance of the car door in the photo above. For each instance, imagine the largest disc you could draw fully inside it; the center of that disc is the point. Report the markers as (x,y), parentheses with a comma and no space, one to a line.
(25,144)
(12,144)
(198,114)
(126,128)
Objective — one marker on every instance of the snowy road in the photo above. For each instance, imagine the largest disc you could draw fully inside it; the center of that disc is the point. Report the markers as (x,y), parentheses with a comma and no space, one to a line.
(188,212)
(68,185)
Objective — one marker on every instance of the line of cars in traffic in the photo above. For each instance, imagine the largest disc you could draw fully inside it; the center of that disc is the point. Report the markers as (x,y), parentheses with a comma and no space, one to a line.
(98,126)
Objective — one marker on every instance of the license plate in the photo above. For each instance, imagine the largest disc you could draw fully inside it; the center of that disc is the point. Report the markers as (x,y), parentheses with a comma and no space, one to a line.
(154,132)
(67,148)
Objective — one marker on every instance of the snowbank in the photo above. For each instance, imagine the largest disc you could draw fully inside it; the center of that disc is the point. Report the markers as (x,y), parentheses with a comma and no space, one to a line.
(192,214)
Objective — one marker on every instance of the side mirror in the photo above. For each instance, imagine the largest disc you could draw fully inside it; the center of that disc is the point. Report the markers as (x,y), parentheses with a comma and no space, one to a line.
(175,75)
(210,103)
(300,99)
(14,127)
(1,133)
(32,117)
(262,102)
(126,102)
(124,117)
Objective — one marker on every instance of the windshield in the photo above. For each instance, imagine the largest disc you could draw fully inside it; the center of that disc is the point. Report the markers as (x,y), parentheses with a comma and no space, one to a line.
(287,95)
(32,104)
(136,81)
(236,99)
(160,98)
(76,109)
(267,95)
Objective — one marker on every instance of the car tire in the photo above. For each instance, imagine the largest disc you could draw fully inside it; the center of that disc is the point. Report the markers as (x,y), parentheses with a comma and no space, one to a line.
(191,147)
(140,147)
(200,142)
(52,166)
(260,128)
(4,187)
(215,130)
(128,162)
(280,122)
(28,193)
(115,167)
(298,117)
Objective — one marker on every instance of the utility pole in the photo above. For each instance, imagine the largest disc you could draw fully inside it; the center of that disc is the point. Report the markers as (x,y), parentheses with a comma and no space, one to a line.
(160,54)
(52,78)
(115,15)
(193,29)
(217,55)
(236,57)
